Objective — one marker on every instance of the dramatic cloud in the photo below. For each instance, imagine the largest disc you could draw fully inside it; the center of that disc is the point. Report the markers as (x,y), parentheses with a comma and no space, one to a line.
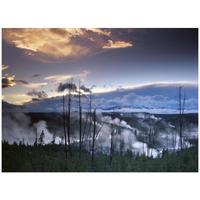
(4,67)
(34,85)
(63,77)
(49,45)
(38,94)
(64,86)
(152,99)
(8,81)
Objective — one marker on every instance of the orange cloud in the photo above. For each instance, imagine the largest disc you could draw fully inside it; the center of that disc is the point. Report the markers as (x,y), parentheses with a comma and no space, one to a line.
(34,85)
(117,45)
(48,45)
(4,67)
(63,77)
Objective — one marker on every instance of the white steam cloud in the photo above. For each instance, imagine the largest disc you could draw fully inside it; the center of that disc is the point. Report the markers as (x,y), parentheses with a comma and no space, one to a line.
(17,128)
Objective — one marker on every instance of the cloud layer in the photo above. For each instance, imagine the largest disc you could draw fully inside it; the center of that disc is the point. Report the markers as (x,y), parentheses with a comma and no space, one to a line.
(49,45)
(152,99)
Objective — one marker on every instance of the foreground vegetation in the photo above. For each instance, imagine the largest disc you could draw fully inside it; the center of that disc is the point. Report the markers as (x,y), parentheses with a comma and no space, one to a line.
(52,158)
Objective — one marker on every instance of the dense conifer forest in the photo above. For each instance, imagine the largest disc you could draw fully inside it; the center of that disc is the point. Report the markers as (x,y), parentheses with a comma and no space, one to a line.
(51,158)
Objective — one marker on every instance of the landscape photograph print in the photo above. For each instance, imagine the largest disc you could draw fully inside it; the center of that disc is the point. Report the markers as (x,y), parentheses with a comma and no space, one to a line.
(99,100)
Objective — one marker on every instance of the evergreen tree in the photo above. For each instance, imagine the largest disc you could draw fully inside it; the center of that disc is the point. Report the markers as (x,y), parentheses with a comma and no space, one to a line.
(41,138)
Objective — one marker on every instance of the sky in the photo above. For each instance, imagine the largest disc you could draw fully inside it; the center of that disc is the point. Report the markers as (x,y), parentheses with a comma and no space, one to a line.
(36,61)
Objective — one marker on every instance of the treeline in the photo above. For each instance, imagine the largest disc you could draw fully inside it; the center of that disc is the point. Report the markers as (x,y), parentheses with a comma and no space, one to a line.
(52,158)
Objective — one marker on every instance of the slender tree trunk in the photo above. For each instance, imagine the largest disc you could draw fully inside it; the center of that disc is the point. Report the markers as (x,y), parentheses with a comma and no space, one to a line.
(64,126)
(181,112)
(84,136)
(69,118)
(111,147)
(80,122)
(80,135)
(180,118)
(143,141)
(90,124)
(94,134)
(36,139)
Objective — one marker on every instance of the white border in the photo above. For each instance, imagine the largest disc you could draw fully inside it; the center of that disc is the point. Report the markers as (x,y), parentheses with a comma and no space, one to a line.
(104,13)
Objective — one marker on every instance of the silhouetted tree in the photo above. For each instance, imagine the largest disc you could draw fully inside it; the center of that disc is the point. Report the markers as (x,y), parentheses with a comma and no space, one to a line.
(111,146)
(121,146)
(64,126)
(70,89)
(80,122)
(90,122)
(41,138)
(181,112)
(94,135)
(36,140)
(53,139)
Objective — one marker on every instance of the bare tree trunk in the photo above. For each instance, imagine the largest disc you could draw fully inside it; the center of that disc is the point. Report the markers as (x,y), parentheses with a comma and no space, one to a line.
(94,134)
(143,142)
(180,118)
(64,126)
(167,140)
(183,108)
(111,147)
(90,123)
(36,140)
(80,135)
(80,122)
(84,136)
(181,112)
(69,118)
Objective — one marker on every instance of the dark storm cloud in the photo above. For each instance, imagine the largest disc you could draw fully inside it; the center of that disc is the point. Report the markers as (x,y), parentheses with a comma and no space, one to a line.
(35,75)
(7,82)
(64,86)
(21,81)
(85,89)
(35,100)
(38,94)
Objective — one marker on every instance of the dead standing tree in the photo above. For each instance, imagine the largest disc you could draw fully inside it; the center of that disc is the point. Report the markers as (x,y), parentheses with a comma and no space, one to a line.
(80,123)
(90,122)
(71,87)
(94,135)
(111,146)
(181,113)
(64,126)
